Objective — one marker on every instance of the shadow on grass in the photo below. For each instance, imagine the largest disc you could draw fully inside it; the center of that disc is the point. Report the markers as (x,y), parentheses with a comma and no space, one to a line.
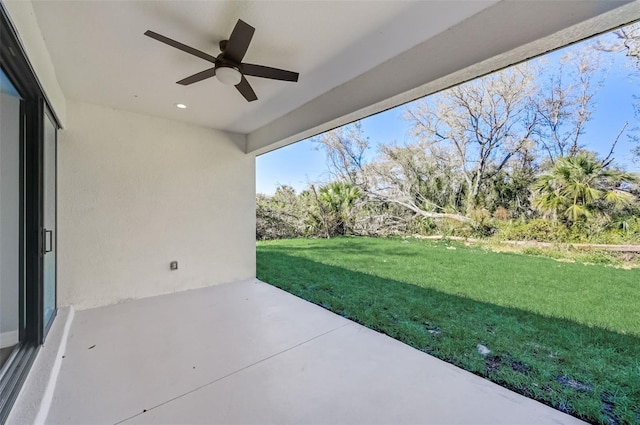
(591,373)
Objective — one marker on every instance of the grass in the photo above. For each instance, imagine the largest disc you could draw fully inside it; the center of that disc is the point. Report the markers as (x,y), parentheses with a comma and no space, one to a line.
(566,334)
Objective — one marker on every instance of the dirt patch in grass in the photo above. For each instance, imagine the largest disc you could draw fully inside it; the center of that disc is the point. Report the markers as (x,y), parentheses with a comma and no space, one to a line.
(492,364)
(520,367)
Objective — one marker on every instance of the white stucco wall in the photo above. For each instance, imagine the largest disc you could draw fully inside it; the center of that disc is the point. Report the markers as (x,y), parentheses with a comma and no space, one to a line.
(136,192)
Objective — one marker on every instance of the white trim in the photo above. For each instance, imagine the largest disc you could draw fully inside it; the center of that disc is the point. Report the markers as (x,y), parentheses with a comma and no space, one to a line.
(9,338)
(47,398)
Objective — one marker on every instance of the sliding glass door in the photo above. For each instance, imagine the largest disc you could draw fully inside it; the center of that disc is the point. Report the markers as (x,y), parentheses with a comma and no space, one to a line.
(28,131)
(11,282)
(49,221)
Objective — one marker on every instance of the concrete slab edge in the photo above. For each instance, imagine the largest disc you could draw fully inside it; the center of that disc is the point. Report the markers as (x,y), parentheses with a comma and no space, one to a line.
(47,398)
(36,395)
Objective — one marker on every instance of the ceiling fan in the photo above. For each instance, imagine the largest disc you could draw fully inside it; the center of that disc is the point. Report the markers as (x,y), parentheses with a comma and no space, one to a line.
(228,66)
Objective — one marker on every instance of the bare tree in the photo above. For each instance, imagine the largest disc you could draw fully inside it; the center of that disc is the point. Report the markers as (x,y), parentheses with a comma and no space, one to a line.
(278,216)
(630,38)
(565,101)
(478,126)
(479,144)
(627,40)
(413,178)
(382,181)
(345,148)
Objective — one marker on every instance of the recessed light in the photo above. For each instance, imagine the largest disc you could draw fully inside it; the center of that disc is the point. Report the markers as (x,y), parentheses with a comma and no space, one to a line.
(181,105)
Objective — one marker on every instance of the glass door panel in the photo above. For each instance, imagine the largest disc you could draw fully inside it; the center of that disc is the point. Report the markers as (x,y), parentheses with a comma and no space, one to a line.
(10,219)
(49,221)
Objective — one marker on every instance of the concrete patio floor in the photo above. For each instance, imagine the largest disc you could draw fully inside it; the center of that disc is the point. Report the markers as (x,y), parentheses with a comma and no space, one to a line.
(249,353)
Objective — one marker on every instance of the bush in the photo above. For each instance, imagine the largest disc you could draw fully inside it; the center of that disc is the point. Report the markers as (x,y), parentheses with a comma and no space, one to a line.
(501,213)
(423,226)
(538,229)
(600,257)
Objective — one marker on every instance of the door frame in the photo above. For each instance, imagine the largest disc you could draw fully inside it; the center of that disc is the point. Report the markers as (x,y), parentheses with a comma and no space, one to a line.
(33,107)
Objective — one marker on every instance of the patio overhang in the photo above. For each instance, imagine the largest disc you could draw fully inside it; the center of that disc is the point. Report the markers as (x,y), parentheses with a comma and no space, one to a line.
(503,34)
(354,61)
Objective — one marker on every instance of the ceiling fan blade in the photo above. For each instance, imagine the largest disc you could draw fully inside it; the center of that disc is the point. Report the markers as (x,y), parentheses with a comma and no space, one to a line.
(268,72)
(207,73)
(239,41)
(180,46)
(245,89)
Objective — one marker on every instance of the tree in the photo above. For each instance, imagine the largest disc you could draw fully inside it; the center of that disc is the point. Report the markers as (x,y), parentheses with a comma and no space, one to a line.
(286,214)
(629,37)
(478,126)
(380,181)
(345,149)
(279,216)
(510,190)
(580,187)
(565,101)
(339,198)
(480,146)
(627,40)
(409,176)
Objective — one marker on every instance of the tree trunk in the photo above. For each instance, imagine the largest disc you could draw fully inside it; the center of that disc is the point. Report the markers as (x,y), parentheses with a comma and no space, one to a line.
(456,217)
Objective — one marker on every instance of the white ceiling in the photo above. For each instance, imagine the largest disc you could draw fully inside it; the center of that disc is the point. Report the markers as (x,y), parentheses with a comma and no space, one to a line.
(101,55)
(354,57)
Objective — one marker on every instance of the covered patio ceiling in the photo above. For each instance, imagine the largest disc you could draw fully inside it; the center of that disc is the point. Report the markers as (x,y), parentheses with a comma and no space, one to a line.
(354,58)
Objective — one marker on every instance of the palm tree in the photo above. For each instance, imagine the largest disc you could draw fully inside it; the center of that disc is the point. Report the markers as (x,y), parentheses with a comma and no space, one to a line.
(339,199)
(580,187)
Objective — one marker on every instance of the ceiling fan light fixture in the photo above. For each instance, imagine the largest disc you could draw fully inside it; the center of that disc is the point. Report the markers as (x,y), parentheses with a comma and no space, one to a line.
(228,75)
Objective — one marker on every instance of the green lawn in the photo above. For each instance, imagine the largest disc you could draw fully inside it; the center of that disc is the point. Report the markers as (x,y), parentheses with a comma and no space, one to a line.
(566,334)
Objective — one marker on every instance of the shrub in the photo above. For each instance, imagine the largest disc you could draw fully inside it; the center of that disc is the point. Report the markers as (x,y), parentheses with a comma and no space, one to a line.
(600,257)
(424,226)
(501,213)
(538,229)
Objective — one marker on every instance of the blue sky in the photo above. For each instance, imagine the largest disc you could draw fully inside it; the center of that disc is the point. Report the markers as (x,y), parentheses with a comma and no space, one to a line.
(302,163)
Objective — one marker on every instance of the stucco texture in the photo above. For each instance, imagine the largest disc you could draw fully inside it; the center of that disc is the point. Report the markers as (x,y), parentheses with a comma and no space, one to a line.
(137,192)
